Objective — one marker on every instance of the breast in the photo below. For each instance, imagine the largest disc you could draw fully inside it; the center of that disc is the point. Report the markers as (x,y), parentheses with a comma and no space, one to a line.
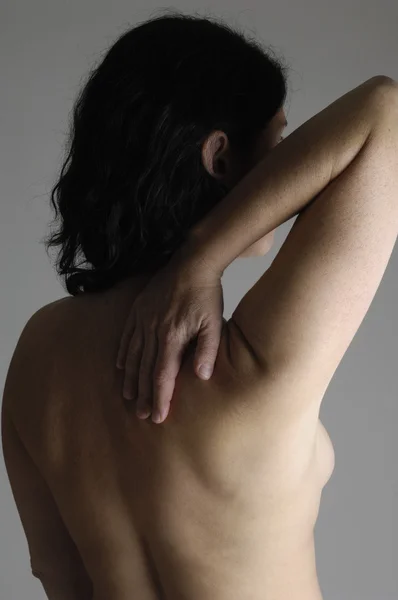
(325,455)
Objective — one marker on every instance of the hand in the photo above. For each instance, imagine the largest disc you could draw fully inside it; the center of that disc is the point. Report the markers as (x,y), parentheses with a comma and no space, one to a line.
(178,304)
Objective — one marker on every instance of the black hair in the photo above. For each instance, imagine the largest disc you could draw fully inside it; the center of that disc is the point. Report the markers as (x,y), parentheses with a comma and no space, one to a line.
(133,181)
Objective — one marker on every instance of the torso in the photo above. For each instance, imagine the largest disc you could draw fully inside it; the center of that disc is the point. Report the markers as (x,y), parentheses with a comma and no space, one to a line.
(149,516)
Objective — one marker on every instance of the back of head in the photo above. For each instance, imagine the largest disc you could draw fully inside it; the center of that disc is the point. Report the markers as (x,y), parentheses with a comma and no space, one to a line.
(133,182)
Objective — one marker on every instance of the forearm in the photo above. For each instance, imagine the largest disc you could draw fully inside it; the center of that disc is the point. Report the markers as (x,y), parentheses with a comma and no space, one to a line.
(287,179)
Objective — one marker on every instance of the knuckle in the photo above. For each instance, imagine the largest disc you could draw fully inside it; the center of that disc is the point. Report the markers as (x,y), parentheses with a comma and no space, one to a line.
(153,326)
(161,377)
(133,348)
(131,353)
(168,332)
(169,335)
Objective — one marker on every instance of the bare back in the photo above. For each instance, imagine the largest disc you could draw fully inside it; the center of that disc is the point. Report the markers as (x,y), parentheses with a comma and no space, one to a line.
(220,501)
(186,509)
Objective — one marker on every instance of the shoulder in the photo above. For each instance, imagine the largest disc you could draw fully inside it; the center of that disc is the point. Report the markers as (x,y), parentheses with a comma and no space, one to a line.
(33,352)
(46,325)
(44,317)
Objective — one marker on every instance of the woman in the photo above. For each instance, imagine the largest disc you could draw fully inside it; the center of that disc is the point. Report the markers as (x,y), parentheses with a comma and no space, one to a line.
(174,170)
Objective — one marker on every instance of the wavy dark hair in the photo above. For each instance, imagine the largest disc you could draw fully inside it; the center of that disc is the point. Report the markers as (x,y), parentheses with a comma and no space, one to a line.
(133,182)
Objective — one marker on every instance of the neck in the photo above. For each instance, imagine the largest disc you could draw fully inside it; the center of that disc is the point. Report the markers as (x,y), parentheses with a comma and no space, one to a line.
(133,283)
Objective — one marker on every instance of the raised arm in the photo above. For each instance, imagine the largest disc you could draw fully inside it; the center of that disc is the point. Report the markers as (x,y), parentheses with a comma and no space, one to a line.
(287,179)
(292,328)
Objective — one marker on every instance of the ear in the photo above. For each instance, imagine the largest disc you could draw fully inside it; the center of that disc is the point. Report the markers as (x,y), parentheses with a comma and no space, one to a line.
(216,155)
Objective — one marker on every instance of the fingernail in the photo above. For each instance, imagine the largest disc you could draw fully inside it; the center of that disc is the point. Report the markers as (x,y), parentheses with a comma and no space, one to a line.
(156,417)
(143,411)
(143,416)
(205,371)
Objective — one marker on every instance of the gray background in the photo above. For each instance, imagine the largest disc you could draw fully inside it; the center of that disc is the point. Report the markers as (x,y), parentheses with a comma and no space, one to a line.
(46,47)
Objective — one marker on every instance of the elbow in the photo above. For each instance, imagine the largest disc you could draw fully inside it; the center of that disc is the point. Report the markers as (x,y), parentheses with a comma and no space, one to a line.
(384,81)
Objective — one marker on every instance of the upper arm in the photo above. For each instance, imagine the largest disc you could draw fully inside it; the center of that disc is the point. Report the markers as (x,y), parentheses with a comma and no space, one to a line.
(54,557)
(302,314)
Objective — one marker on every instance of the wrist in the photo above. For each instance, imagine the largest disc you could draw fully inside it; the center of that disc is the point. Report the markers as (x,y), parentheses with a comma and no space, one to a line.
(191,256)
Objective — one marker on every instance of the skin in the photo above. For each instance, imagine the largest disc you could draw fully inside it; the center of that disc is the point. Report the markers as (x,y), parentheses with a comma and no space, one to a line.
(111,503)
(159,366)
(221,500)
(220,163)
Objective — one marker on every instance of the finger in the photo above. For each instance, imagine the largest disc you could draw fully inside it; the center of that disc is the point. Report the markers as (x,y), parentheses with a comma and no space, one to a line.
(168,363)
(207,348)
(128,332)
(145,376)
(132,366)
